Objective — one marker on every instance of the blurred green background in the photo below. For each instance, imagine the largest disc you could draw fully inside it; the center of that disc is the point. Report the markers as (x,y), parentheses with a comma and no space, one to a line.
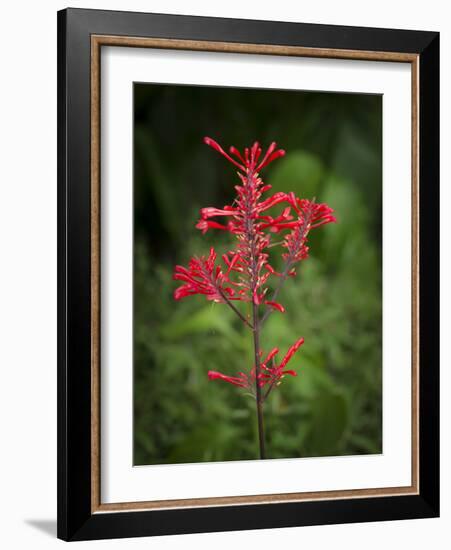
(334,153)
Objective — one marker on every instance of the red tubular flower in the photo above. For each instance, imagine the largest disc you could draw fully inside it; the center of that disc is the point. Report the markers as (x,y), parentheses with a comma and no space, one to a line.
(205,225)
(243,380)
(275,305)
(240,380)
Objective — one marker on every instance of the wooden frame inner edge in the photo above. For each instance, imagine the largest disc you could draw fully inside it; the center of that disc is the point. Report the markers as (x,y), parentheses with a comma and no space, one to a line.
(107,40)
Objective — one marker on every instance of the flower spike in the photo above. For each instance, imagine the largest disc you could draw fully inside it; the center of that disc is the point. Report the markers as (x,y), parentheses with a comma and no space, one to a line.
(255,218)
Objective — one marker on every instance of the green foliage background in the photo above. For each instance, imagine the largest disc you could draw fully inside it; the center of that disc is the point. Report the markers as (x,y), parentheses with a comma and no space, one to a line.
(334,153)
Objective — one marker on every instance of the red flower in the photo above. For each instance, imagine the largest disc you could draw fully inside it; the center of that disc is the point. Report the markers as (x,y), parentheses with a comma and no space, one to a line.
(245,271)
(270,375)
(273,374)
(247,220)
(310,215)
(203,277)
(248,162)
(240,380)
(275,305)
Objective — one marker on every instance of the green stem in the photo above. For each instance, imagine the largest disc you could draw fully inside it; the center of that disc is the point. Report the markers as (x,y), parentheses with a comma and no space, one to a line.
(258,392)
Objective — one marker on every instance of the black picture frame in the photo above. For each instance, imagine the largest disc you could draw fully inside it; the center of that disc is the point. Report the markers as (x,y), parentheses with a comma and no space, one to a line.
(76,521)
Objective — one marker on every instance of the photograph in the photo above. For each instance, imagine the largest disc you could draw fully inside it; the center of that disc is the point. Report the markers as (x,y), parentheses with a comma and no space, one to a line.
(257,274)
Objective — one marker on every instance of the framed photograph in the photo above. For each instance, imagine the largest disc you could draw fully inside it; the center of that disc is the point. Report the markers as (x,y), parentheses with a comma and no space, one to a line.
(248,274)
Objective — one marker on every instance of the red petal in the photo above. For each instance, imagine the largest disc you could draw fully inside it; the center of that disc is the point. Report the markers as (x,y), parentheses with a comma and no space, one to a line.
(181,292)
(270,355)
(272,201)
(272,270)
(205,225)
(275,305)
(213,375)
(217,147)
(234,151)
(291,351)
(290,372)
(273,156)
(210,211)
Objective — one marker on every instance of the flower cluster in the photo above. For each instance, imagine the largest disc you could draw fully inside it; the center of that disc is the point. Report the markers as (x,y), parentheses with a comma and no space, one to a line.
(203,277)
(270,375)
(309,215)
(248,222)
(245,270)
